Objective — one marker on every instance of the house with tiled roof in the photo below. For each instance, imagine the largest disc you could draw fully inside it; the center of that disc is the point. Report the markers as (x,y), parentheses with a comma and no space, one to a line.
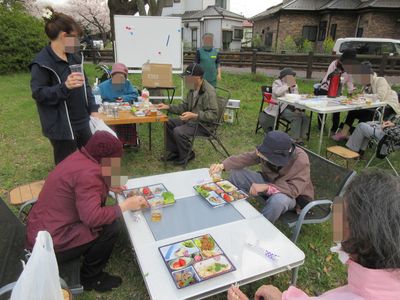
(203,16)
(317,20)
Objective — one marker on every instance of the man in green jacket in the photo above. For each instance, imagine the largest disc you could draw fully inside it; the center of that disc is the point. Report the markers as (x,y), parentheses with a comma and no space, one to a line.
(208,58)
(200,105)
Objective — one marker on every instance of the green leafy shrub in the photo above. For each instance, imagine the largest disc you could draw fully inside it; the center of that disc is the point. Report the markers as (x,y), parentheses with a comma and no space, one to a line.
(306,47)
(327,45)
(256,42)
(289,45)
(21,37)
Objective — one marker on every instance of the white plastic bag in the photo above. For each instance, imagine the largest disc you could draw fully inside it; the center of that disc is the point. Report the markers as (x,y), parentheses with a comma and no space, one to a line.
(98,124)
(40,278)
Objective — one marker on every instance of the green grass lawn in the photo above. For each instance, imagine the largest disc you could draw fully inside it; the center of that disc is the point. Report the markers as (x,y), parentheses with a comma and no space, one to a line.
(26,156)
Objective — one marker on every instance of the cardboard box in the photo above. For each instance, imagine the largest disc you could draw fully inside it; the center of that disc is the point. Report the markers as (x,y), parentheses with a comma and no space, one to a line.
(157,75)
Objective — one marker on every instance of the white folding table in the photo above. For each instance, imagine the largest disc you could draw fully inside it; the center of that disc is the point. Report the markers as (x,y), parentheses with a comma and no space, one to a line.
(333,106)
(231,237)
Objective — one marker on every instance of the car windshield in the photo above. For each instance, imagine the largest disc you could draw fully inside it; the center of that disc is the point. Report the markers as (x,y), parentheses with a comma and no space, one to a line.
(371,48)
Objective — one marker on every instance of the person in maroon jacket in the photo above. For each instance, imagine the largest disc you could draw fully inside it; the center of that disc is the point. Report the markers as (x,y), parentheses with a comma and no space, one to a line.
(71,207)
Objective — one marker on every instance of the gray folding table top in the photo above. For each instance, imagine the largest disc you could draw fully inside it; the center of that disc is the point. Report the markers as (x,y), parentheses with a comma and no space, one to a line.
(188,215)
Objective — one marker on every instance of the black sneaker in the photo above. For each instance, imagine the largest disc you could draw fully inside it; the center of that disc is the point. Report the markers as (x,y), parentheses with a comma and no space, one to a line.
(170,157)
(102,283)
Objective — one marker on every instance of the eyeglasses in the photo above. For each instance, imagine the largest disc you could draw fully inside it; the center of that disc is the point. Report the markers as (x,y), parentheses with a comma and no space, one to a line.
(260,155)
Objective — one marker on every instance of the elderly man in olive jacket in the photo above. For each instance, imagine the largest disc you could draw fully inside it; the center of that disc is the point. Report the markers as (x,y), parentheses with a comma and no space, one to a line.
(200,105)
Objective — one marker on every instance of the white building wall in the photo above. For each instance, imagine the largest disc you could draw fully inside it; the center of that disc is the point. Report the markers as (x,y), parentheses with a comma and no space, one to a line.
(177,8)
(214,27)
(193,5)
(207,3)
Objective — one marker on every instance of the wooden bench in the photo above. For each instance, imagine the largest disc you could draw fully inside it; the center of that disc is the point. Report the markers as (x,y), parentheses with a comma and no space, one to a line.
(25,193)
(342,152)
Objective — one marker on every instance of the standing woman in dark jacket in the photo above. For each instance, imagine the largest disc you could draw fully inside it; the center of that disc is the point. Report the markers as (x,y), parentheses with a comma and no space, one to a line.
(64,99)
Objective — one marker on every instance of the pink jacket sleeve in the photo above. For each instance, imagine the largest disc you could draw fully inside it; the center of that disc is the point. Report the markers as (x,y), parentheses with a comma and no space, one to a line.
(89,199)
(294,293)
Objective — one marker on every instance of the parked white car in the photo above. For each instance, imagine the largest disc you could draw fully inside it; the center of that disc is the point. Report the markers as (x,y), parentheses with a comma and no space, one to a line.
(368,46)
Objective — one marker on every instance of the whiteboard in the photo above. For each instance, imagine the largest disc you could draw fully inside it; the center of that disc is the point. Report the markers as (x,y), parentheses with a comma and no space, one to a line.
(141,39)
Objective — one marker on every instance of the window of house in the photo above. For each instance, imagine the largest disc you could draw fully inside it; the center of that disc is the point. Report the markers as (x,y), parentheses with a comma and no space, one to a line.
(360,32)
(310,33)
(322,30)
(238,34)
(333,31)
(269,39)
(248,35)
(227,37)
(194,38)
(220,3)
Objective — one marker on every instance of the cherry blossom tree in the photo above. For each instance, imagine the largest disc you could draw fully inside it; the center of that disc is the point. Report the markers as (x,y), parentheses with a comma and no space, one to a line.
(93,15)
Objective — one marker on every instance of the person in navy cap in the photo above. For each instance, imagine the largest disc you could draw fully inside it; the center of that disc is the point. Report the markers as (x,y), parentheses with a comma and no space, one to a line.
(284,176)
(200,106)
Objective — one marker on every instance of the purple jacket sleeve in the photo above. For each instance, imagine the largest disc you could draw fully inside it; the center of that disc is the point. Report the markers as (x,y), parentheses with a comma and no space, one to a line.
(89,189)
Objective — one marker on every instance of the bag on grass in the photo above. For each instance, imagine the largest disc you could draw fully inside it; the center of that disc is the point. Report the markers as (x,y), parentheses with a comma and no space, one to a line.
(40,278)
(98,124)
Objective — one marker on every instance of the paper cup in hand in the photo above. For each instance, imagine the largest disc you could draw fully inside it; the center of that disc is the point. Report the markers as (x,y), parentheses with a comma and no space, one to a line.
(76,68)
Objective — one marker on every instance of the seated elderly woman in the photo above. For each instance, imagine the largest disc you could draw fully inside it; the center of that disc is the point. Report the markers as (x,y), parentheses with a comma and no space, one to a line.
(286,83)
(370,248)
(119,89)
(359,139)
(372,84)
(71,207)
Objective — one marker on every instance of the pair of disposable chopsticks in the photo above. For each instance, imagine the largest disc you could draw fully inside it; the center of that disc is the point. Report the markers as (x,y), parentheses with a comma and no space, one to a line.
(263,252)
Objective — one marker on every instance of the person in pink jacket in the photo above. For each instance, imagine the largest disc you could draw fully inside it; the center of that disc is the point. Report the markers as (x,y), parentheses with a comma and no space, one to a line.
(71,207)
(370,248)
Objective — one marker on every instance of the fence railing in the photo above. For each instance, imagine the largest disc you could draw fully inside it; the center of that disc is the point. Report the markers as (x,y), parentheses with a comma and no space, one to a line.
(383,65)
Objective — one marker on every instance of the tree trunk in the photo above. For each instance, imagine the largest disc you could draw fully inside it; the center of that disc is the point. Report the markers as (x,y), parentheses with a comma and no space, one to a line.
(121,7)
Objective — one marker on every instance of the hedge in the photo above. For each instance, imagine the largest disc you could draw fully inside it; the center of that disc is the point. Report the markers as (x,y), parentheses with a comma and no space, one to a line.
(21,38)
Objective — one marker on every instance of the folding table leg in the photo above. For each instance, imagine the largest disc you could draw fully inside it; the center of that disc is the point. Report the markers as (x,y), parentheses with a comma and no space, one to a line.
(150,136)
(321,136)
(309,126)
(165,144)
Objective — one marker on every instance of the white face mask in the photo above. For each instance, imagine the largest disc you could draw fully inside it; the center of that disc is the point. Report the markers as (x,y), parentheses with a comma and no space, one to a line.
(343,256)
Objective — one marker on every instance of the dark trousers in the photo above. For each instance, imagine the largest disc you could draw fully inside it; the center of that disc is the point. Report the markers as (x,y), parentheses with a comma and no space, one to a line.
(363,115)
(335,116)
(95,254)
(179,136)
(63,148)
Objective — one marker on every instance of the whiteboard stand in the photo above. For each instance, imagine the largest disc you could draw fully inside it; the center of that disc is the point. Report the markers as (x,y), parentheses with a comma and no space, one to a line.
(142,39)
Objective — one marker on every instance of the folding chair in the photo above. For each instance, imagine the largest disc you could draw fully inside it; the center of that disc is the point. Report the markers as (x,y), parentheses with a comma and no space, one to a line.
(266,92)
(12,241)
(211,133)
(384,148)
(12,238)
(106,73)
(330,181)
